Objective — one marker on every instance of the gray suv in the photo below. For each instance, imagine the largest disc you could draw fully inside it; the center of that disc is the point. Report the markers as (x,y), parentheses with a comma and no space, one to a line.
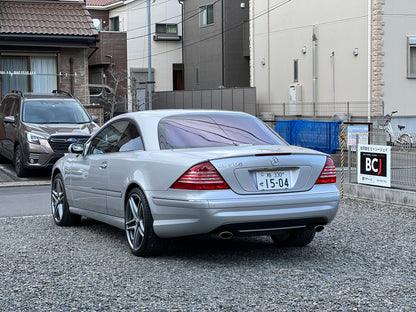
(37,129)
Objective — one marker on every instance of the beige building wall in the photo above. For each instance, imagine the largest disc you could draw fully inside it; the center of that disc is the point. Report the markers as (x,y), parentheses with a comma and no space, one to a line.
(282,32)
(399,91)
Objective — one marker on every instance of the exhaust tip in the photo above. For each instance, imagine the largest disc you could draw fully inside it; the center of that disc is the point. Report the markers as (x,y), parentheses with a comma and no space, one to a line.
(225,235)
(319,228)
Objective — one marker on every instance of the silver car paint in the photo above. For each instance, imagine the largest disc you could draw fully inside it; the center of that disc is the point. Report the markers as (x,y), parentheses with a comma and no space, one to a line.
(182,212)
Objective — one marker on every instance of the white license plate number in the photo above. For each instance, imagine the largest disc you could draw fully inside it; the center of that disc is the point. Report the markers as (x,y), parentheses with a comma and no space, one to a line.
(274,180)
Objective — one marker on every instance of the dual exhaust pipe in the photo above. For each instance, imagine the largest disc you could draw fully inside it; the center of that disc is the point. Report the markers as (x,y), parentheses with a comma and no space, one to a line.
(228,235)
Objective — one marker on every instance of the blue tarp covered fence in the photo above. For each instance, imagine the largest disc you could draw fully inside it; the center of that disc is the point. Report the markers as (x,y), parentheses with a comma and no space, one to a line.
(318,135)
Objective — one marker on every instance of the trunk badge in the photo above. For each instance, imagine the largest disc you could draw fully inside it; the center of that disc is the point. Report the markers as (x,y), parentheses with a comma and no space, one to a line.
(274,161)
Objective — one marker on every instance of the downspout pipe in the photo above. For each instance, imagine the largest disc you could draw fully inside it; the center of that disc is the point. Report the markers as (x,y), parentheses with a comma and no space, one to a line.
(314,46)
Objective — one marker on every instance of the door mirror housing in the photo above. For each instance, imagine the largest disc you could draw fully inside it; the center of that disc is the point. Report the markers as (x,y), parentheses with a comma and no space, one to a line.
(9,119)
(76,148)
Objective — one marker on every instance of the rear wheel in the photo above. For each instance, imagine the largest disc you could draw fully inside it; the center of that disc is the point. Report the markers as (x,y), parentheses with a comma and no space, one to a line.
(19,163)
(139,225)
(59,204)
(294,238)
(405,142)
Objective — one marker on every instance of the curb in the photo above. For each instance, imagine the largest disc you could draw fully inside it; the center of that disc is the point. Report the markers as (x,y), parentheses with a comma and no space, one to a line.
(24,183)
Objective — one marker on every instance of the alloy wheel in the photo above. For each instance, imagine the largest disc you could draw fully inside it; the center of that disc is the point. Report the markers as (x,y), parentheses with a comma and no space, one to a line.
(57,200)
(135,221)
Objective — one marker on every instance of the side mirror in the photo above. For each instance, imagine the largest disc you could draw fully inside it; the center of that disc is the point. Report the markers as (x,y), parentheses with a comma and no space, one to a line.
(95,119)
(9,119)
(76,148)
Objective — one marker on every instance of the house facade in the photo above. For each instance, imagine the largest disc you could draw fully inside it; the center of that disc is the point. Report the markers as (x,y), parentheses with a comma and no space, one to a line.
(215,44)
(354,59)
(44,46)
(166,43)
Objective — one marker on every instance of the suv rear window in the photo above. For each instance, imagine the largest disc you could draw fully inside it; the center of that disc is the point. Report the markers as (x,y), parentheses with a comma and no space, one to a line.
(216,129)
(54,111)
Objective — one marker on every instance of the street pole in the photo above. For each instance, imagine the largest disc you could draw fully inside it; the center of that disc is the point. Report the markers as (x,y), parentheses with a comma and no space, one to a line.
(149,55)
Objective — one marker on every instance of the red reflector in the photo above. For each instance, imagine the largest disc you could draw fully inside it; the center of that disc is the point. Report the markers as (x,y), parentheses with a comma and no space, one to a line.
(201,177)
(329,173)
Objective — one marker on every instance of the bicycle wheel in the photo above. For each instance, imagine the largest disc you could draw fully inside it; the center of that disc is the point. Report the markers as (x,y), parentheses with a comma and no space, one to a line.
(405,142)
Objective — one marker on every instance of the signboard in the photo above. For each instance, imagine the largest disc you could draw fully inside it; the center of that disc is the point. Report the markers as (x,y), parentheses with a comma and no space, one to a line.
(374,164)
(353,131)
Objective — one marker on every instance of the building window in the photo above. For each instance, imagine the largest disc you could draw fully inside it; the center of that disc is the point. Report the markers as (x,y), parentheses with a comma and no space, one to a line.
(295,70)
(207,14)
(169,29)
(411,57)
(114,23)
(29,73)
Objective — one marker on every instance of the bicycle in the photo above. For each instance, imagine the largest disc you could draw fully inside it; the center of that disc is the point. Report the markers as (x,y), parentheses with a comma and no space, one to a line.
(402,139)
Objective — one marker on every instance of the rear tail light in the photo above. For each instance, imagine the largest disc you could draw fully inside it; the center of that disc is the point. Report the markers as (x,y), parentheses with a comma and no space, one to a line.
(201,177)
(328,174)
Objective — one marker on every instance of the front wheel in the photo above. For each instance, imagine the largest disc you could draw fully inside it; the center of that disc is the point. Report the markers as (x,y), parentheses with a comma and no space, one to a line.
(139,225)
(19,163)
(59,204)
(294,238)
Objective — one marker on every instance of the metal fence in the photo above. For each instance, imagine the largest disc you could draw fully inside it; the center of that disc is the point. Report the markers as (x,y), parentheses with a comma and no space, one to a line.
(403,158)
(347,111)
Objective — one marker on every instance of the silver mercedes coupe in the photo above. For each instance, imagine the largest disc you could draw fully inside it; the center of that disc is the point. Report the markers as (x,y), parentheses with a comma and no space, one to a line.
(172,173)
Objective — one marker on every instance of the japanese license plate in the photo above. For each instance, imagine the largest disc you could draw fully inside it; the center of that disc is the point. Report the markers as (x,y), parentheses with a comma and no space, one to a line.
(274,180)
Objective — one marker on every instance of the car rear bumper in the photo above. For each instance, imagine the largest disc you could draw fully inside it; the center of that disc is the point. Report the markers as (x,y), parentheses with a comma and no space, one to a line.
(245,214)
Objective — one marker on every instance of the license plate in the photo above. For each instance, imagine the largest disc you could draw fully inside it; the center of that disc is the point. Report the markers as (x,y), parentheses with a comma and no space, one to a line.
(274,180)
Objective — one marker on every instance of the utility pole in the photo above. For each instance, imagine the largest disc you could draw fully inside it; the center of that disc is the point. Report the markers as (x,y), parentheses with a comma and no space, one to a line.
(149,55)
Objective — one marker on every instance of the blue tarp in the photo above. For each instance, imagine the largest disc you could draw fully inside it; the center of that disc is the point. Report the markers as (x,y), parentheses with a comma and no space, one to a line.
(318,135)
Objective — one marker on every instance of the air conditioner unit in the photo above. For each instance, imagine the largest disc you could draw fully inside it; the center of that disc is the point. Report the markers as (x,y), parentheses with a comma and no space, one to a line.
(295,100)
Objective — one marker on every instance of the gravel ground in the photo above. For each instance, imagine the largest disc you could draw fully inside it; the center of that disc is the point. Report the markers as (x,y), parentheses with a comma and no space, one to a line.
(364,261)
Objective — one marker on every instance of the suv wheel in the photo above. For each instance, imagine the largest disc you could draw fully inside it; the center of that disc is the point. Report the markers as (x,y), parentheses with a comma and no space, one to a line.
(18,161)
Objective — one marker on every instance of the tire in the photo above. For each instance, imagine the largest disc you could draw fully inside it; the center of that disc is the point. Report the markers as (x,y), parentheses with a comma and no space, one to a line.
(405,142)
(294,238)
(18,162)
(139,225)
(59,204)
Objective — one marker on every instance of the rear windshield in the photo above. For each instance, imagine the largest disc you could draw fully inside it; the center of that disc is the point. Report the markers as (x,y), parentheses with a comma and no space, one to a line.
(214,129)
(53,111)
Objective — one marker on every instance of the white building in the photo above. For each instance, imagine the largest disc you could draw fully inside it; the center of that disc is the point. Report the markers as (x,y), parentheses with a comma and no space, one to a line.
(312,59)
(166,40)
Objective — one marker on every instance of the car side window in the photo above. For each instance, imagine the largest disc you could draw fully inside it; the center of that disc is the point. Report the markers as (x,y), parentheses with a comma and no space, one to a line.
(16,109)
(130,140)
(119,136)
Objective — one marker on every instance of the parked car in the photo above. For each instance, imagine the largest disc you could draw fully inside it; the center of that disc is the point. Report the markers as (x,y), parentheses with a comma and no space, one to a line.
(37,129)
(172,173)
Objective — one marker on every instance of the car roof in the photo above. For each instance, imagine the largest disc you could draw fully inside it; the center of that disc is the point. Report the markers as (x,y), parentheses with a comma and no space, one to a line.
(149,121)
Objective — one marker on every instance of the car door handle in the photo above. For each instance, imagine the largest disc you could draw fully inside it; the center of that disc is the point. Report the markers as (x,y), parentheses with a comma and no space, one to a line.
(104,165)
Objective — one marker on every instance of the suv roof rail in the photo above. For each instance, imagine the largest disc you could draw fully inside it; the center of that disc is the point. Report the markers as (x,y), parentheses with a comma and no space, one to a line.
(17,92)
(62,92)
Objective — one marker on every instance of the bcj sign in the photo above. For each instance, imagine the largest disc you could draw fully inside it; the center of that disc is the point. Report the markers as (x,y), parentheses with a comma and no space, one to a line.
(374,165)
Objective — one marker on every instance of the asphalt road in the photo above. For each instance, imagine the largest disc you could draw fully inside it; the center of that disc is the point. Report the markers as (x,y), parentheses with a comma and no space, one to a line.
(363,261)
(25,200)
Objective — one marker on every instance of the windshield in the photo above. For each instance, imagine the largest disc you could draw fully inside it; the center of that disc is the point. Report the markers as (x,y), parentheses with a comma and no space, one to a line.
(214,129)
(54,111)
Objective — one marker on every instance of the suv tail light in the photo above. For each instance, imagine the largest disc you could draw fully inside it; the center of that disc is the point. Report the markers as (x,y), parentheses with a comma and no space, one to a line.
(201,177)
(328,174)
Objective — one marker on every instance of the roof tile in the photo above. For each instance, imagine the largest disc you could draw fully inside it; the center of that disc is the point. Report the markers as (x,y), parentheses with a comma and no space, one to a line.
(45,17)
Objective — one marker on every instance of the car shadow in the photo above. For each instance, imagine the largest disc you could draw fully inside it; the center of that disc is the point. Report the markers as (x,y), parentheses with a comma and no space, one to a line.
(211,249)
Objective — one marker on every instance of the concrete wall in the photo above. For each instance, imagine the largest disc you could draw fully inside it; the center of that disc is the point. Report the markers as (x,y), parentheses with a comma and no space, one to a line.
(204,53)
(236,99)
